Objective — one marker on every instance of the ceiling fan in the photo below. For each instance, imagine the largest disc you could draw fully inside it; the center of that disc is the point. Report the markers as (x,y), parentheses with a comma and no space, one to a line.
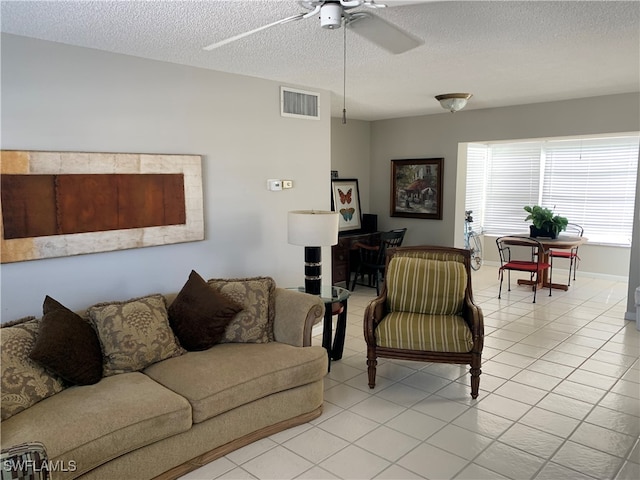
(334,13)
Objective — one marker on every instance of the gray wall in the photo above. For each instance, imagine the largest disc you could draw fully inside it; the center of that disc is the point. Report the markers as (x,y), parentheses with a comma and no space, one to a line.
(351,154)
(63,98)
(440,135)
(57,97)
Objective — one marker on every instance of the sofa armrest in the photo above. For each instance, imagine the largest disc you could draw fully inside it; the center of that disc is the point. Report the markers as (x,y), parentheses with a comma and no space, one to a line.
(296,314)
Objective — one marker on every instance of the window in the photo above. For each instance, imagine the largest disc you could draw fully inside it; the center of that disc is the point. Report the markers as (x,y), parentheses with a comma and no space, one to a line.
(591,181)
(476,160)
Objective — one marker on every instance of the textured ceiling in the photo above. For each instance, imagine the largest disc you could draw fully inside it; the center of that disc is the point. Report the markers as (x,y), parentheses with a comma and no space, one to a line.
(504,52)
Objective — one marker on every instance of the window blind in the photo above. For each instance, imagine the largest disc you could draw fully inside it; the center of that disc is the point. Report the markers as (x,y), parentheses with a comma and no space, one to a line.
(513,181)
(591,181)
(477,156)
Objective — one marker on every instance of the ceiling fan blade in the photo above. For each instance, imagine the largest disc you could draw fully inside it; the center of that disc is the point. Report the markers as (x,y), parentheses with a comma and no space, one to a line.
(382,33)
(226,41)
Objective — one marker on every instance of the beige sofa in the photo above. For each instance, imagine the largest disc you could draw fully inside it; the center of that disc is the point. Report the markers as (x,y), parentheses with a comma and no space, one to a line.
(180,413)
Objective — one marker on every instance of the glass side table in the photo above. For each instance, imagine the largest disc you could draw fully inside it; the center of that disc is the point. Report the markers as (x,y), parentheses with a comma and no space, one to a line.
(331,295)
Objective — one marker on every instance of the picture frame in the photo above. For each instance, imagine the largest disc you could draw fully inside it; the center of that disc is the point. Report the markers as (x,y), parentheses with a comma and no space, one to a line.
(153,199)
(345,199)
(416,188)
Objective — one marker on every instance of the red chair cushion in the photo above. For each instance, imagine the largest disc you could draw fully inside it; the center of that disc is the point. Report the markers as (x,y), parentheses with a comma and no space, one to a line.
(563,253)
(525,266)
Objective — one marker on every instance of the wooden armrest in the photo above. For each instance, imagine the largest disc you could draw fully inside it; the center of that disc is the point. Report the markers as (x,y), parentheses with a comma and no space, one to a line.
(373,315)
(474,317)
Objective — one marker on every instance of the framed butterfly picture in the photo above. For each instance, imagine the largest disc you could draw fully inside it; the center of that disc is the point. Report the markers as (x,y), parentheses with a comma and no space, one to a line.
(345,199)
(416,188)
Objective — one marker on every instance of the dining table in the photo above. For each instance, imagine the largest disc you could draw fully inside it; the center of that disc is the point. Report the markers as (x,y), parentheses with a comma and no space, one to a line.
(562,242)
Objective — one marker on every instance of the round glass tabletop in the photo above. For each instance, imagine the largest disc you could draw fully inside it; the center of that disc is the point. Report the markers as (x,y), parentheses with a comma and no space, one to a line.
(329,293)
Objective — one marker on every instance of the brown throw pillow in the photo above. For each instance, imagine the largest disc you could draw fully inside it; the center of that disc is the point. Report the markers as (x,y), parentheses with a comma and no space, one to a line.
(67,345)
(51,304)
(134,334)
(199,315)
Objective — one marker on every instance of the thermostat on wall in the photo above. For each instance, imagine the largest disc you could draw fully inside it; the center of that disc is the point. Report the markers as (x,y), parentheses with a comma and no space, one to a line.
(274,185)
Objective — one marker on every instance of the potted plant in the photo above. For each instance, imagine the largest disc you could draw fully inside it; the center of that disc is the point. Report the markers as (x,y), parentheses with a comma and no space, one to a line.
(545,223)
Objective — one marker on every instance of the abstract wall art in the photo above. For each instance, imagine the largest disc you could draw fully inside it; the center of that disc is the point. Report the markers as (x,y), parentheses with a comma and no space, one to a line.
(56,204)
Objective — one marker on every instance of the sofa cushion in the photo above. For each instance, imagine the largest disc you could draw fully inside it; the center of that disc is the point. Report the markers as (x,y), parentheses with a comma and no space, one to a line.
(24,382)
(427,286)
(229,375)
(67,345)
(199,315)
(424,332)
(133,334)
(93,424)
(257,296)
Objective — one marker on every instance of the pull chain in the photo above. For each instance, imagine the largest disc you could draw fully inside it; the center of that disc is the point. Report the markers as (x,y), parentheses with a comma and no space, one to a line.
(344,75)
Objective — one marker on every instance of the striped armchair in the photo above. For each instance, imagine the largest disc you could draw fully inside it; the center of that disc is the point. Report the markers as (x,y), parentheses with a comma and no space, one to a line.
(425,311)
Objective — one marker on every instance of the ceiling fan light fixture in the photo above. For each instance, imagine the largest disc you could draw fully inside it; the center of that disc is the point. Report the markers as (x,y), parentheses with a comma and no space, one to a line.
(331,16)
(453,101)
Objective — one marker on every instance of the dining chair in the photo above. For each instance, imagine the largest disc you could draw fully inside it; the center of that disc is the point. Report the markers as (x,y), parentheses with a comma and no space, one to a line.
(572,254)
(523,254)
(425,311)
(372,257)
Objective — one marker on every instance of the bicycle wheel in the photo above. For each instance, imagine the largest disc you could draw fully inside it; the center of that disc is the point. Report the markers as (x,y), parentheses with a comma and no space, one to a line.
(476,251)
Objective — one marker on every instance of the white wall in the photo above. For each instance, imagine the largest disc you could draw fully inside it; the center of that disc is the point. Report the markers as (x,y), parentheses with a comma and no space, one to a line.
(63,98)
(439,135)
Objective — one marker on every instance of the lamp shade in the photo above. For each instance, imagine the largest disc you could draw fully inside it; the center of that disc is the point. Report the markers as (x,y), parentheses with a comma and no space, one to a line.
(312,228)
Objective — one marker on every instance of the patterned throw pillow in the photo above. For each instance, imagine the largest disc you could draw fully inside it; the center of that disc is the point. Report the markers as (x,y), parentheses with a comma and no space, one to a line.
(254,324)
(134,334)
(24,382)
(67,345)
(199,315)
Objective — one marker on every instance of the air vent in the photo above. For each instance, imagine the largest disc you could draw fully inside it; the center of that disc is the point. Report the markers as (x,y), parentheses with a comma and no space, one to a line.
(299,104)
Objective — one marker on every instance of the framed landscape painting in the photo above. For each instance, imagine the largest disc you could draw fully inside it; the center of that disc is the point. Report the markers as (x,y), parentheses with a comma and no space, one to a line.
(345,199)
(416,188)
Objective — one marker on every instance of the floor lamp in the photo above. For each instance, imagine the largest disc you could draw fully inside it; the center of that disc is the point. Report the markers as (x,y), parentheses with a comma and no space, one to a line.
(313,229)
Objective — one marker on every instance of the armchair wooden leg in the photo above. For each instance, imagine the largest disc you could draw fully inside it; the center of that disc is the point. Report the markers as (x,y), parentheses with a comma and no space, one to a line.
(372,362)
(475,376)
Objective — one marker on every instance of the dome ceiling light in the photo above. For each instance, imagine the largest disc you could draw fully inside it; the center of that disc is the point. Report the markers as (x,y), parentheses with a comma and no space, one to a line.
(453,101)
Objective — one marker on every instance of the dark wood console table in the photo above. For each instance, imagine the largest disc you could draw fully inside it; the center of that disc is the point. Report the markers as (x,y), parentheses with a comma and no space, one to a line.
(344,255)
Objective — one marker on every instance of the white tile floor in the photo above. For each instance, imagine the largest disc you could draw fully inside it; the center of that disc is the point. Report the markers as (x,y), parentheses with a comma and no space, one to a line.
(559,399)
